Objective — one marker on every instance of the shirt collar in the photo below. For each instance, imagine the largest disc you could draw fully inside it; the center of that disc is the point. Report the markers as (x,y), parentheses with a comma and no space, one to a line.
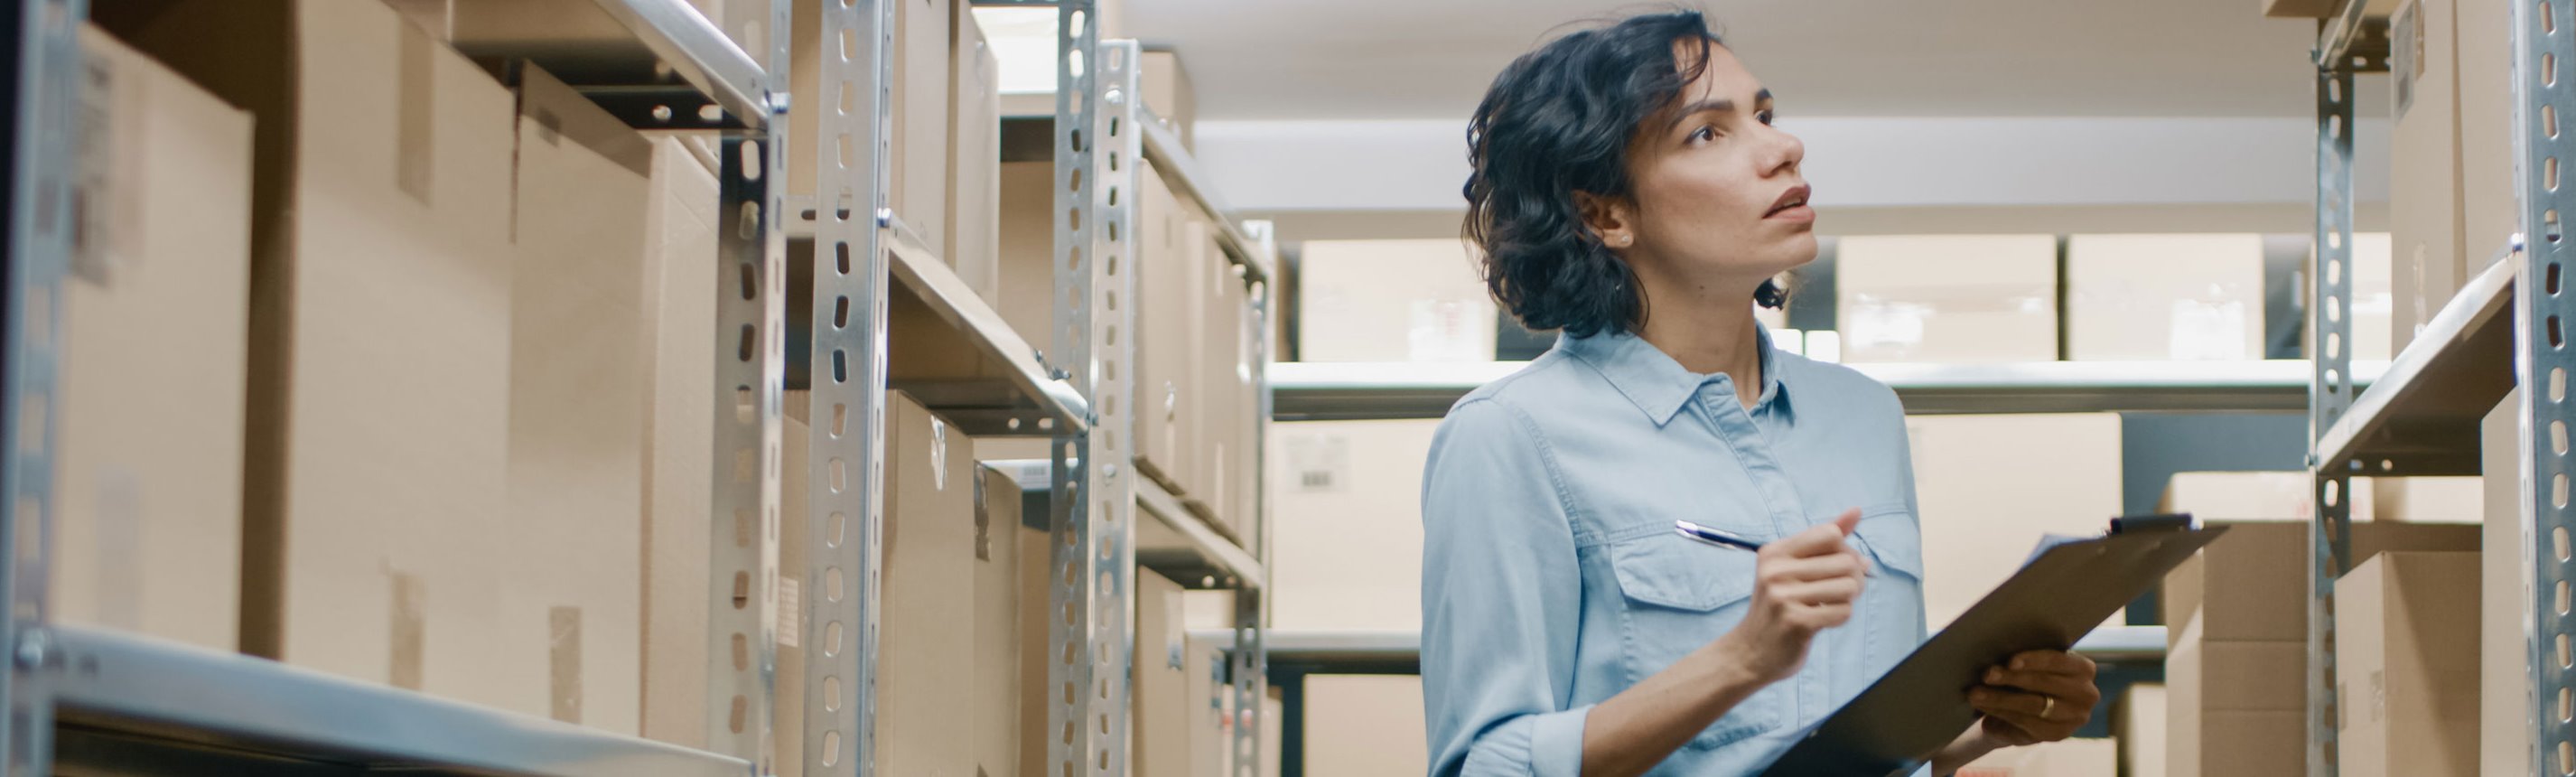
(1652,381)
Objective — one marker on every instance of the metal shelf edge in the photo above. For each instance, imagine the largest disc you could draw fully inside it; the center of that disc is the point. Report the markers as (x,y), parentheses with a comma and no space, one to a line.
(699,52)
(155,688)
(1181,171)
(1226,555)
(937,284)
(2477,304)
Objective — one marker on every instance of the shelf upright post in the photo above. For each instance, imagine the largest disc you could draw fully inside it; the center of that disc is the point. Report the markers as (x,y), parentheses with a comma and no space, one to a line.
(2329,395)
(1251,597)
(1093,551)
(44,80)
(2542,311)
(750,373)
(844,578)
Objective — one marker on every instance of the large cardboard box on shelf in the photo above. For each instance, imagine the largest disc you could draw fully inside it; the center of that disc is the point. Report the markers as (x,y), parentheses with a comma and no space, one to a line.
(1171,268)
(148,435)
(681,287)
(378,403)
(998,632)
(1027,247)
(2164,297)
(2262,565)
(1170,96)
(2215,725)
(2504,600)
(2406,661)
(2138,724)
(579,365)
(1332,481)
(1392,301)
(2424,194)
(918,155)
(1947,298)
(926,654)
(2490,209)
(1036,688)
(1229,404)
(1160,694)
(1364,725)
(974,157)
(2065,758)
(1988,487)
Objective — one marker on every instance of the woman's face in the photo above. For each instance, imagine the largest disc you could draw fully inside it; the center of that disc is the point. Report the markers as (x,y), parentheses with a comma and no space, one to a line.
(1717,191)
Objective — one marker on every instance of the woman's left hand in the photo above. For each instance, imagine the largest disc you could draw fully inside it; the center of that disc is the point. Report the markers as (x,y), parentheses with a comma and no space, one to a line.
(2039,696)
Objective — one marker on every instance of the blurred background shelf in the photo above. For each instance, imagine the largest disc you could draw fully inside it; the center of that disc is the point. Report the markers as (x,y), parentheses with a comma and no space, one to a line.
(1315,391)
(1178,543)
(654,63)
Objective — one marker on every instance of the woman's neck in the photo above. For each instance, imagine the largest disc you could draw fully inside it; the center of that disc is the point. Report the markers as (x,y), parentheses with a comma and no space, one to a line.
(1709,337)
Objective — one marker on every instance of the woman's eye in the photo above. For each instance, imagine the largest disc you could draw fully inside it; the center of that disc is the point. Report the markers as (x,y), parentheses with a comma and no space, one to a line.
(1764,117)
(1702,135)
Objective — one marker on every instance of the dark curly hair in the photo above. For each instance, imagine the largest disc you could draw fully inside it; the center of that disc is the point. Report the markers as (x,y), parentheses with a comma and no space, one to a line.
(1558,121)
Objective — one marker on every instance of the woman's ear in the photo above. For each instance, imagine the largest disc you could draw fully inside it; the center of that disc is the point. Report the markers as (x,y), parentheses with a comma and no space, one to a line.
(1608,218)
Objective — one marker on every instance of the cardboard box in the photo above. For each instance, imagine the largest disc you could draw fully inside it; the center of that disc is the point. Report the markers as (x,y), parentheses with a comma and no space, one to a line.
(925,652)
(2139,725)
(1170,446)
(998,635)
(1225,376)
(2263,568)
(1988,487)
(2504,600)
(2164,297)
(2241,496)
(2407,666)
(2237,676)
(378,402)
(2373,298)
(1160,695)
(1947,298)
(2425,500)
(2424,173)
(579,365)
(148,403)
(1028,251)
(681,279)
(1037,690)
(2490,206)
(1170,96)
(1354,295)
(1337,480)
(1365,725)
(1208,699)
(2214,727)
(918,155)
(974,157)
(2235,744)
(2066,758)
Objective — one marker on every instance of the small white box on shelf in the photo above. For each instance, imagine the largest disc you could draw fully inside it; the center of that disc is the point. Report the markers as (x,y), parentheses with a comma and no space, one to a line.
(1947,298)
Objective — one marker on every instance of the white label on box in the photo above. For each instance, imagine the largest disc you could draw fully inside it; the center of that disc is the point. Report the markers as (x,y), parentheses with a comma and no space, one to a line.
(791,606)
(1445,331)
(1877,324)
(1319,463)
(2208,330)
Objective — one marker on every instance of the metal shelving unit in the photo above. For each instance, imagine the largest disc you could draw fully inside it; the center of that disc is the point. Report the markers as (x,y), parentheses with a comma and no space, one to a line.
(1401,651)
(134,704)
(2422,416)
(1313,391)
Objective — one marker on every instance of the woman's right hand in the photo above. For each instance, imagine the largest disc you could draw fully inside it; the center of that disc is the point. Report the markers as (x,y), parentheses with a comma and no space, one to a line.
(1802,585)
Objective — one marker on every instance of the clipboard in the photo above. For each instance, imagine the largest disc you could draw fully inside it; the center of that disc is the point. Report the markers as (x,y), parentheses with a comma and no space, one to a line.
(1921,705)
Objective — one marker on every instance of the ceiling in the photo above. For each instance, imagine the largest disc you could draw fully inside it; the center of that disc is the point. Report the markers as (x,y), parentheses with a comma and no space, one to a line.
(1420,59)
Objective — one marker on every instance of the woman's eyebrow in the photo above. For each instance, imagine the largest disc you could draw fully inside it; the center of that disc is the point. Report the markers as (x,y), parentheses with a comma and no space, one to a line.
(1720,105)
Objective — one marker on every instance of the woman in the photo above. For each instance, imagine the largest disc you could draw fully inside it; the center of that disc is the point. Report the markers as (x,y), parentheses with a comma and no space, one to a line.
(1630,190)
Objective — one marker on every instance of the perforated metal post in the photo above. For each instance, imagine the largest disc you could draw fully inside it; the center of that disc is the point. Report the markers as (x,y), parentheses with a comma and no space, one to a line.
(45,69)
(1251,678)
(2329,395)
(2543,310)
(846,494)
(1093,529)
(751,315)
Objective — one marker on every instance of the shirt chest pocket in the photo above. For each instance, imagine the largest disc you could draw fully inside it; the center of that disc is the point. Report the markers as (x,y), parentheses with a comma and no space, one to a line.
(1676,596)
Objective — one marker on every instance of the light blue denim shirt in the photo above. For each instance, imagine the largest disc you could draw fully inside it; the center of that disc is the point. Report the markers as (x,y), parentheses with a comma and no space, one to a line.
(1552,578)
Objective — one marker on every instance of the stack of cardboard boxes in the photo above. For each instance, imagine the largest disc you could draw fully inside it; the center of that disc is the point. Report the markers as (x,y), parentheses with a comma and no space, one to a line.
(2451,186)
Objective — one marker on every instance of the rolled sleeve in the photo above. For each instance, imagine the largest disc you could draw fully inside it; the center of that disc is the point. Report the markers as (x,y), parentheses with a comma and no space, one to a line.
(1501,601)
